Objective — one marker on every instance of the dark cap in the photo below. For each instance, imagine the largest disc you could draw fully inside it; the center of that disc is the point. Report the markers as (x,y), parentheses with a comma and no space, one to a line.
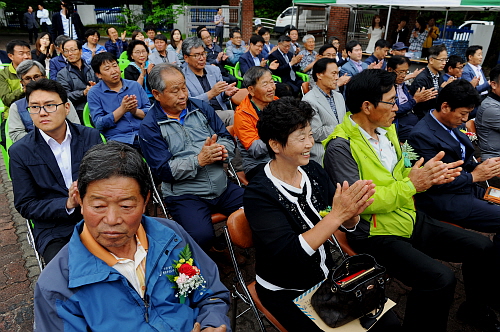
(399,46)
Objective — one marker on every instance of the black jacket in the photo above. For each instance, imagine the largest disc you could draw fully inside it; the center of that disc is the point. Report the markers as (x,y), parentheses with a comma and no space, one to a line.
(424,79)
(40,193)
(280,258)
(57,26)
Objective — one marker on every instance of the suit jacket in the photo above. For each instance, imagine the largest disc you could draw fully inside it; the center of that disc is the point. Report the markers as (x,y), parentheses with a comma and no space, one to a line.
(40,193)
(265,53)
(451,200)
(57,26)
(156,59)
(196,90)
(424,79)
(283,69)
(405,119)
(469,73)
(246,61)
(30,20)
(350,68)
(324,121)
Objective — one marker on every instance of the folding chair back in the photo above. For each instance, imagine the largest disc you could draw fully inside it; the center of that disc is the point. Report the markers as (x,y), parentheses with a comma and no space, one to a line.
(238,232)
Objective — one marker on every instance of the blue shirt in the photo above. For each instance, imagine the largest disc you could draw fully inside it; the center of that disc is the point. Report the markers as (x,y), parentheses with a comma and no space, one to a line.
(103,102)
(87,52)
(372,58)
(116,48)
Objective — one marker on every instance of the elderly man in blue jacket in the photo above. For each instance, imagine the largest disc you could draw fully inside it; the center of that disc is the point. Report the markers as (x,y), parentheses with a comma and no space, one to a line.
(185,143)
(122,270)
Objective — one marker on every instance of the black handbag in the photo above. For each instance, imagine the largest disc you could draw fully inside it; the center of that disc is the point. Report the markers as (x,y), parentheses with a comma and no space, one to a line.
(352,290)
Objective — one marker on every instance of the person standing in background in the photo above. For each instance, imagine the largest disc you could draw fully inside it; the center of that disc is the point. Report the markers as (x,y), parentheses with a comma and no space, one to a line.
(43,16)
(401,32)
(31,24)
(432,35)
(219,27)
(375,32)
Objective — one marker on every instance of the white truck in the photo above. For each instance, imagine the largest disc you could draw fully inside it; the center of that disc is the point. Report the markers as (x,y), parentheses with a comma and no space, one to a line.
(306,19)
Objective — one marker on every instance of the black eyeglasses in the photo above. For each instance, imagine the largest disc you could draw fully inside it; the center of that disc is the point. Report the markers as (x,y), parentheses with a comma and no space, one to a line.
(49,108)
(392,103)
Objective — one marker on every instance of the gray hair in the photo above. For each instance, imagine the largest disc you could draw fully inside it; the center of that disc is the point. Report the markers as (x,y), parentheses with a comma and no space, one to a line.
(104,161)
(191,42)
(155,78)
(253,75)
(60,40)
(307,37)
(26,65)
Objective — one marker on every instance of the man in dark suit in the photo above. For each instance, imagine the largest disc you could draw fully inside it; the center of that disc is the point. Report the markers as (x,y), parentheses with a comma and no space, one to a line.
(459,201)
(288,64)
(253,57)
(430,78)
(68,16)
(31,24)
(44,167)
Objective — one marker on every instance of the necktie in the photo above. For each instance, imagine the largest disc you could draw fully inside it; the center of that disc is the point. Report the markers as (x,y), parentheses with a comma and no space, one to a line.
(292,73)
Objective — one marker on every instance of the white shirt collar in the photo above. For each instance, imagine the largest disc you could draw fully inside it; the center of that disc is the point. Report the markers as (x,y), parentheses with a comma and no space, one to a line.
(47,138)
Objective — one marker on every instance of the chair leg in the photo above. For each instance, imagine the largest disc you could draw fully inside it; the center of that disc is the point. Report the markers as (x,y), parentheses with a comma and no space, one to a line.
(234,306)
(241,281)
(31,241)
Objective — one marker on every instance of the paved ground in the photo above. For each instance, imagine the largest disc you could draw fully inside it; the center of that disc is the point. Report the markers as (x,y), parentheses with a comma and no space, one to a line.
(19,269)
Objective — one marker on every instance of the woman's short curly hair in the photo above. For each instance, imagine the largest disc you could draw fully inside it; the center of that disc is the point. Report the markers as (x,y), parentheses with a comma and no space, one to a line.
(281,118)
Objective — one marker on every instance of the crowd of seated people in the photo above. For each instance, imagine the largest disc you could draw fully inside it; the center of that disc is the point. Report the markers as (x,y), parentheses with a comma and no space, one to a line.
(336,141)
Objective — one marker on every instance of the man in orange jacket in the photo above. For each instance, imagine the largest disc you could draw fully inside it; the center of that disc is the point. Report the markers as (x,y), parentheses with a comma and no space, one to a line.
(261,87)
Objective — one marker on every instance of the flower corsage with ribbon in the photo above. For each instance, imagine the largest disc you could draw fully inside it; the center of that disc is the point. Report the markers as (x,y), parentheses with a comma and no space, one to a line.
(187,276)
(472,136)
(408,154)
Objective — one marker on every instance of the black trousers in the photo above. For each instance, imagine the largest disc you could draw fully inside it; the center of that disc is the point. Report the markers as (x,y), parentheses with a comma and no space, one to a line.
(53,247)
(219,33)
(413,262)
(280,305)
(33,33)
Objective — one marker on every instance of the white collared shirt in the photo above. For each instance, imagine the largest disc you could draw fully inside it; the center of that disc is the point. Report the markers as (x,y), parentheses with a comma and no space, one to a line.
(128,267)
(65,24)
(62,153)
(382,147)
(479,73)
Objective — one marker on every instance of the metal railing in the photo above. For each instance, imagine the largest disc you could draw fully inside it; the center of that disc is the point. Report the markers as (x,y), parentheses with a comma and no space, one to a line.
(266,22)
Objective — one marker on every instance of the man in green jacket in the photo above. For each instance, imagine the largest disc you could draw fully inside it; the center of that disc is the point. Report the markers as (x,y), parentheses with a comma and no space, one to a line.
(10,85)
(407,242)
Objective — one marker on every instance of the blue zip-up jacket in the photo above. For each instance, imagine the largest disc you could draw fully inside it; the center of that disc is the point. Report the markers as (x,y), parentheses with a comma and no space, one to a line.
(171,150)
(79,292)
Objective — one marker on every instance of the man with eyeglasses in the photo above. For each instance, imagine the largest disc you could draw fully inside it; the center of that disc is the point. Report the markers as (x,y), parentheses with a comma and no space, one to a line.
(77,77)
(44,166)
(20,122)
(10,85)
(288,64)
(205,82)
(454,68)
(403,239)
(405,119)
(430,78)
